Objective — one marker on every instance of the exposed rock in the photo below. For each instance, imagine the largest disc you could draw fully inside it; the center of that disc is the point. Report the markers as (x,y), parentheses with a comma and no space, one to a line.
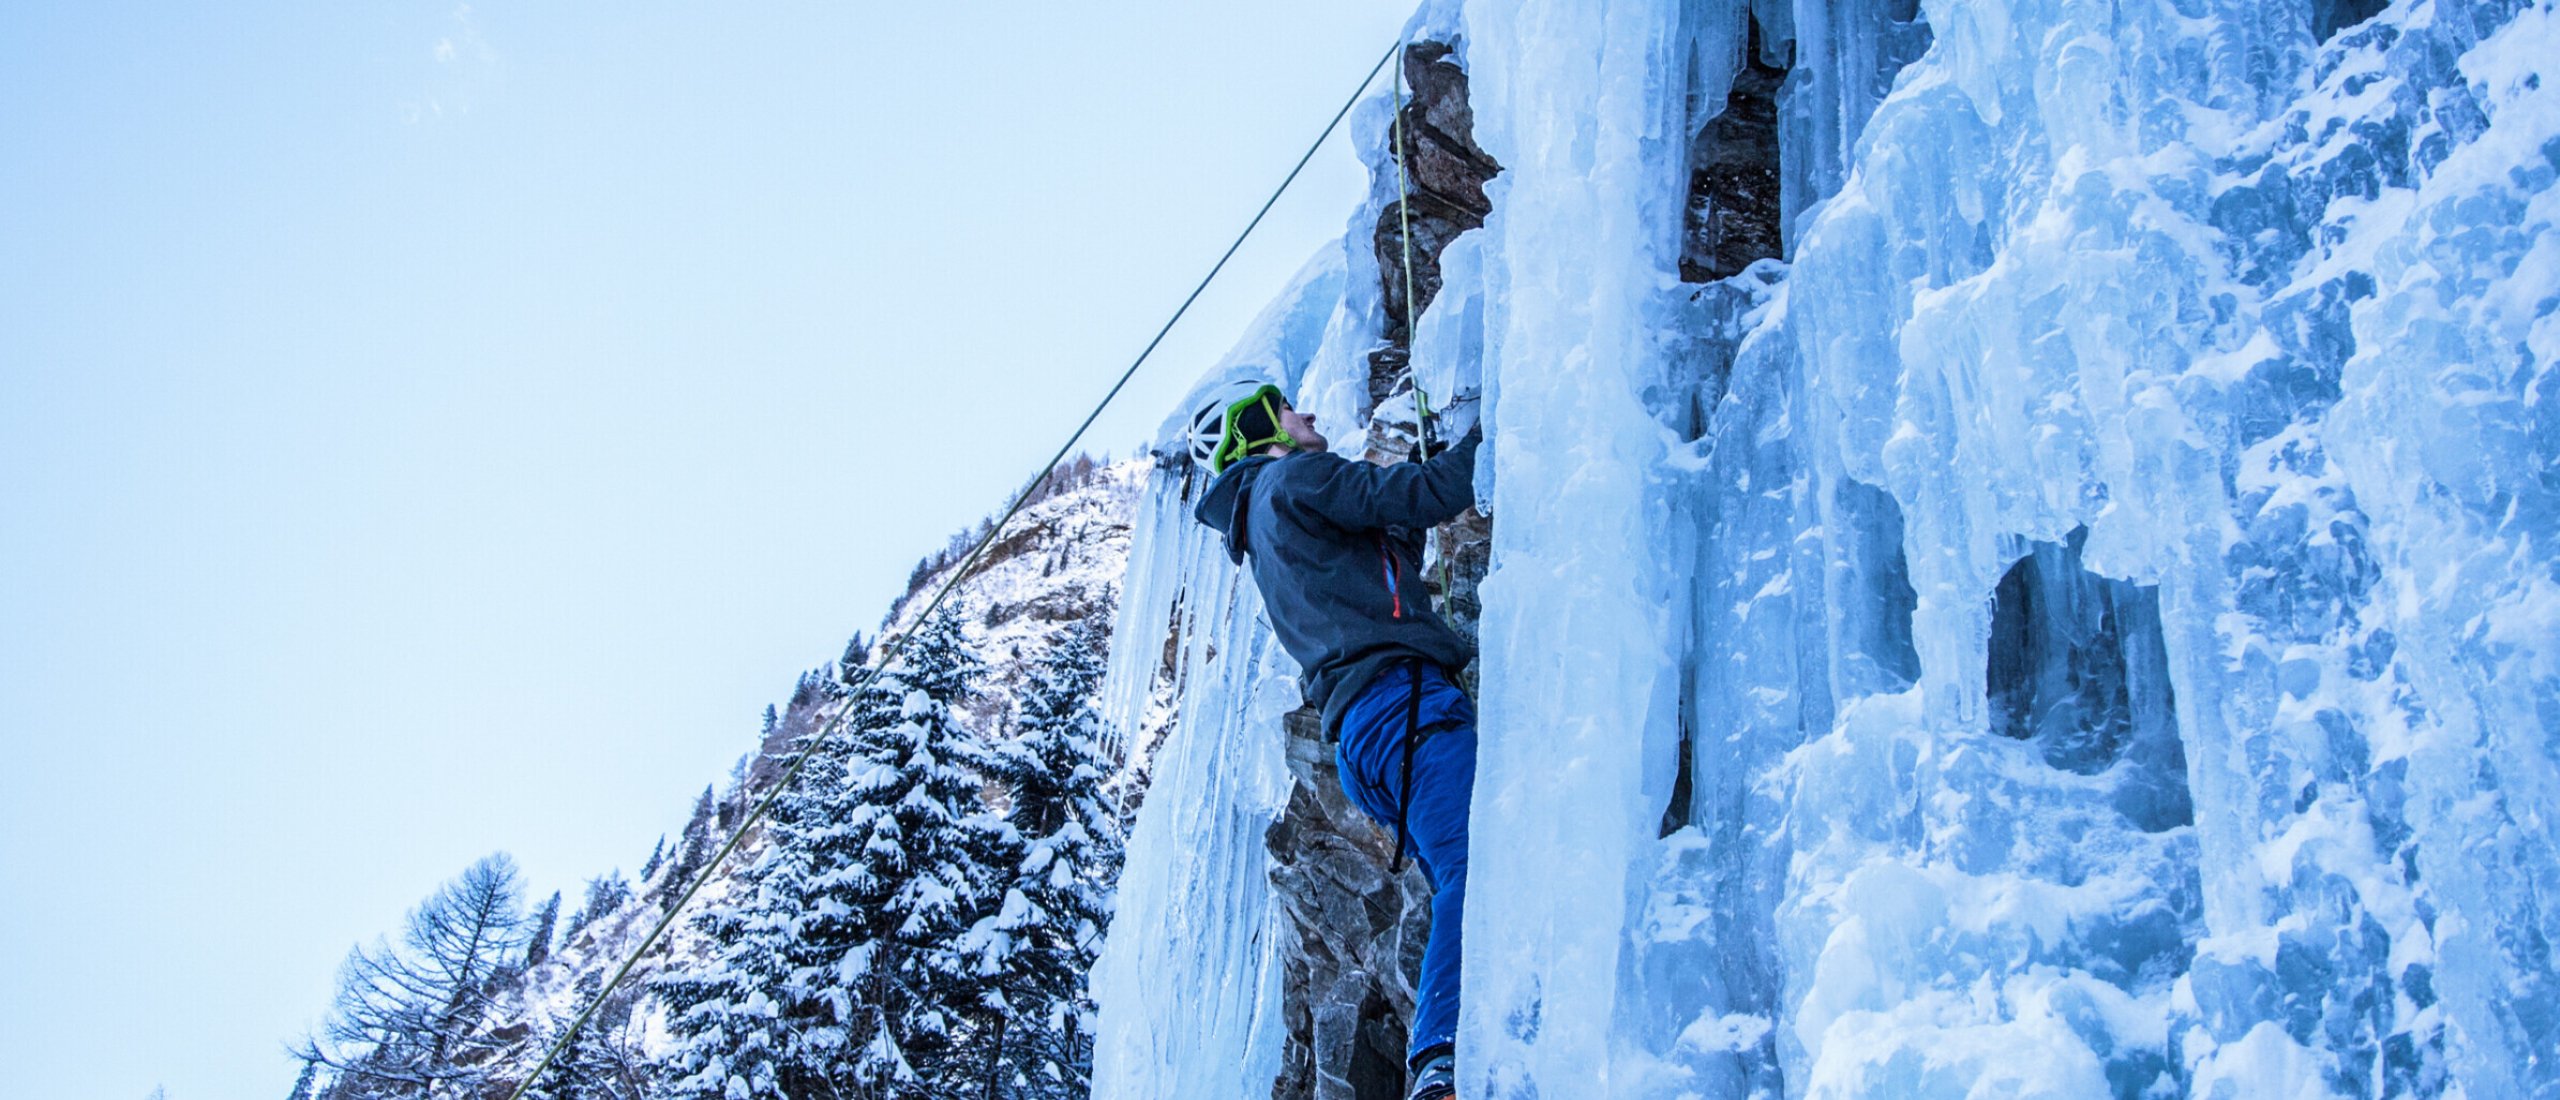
(1733,215)
(1445,174)
(1356,934)
(1463,548)
(1445,177)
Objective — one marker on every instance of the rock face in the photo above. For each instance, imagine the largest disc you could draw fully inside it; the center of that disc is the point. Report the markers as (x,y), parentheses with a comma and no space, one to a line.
(1445,174)
(1355,935)
(1058,562)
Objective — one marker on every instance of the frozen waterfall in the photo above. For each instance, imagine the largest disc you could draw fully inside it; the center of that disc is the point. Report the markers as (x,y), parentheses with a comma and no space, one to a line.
(2079,618)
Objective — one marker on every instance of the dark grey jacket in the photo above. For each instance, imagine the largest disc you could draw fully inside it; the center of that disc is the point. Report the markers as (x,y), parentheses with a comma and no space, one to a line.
(1337,551)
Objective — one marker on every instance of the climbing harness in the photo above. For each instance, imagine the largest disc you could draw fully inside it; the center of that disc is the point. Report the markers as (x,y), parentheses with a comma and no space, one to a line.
(890,649)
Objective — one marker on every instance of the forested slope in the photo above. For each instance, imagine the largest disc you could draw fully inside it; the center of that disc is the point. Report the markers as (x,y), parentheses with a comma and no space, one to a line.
(916,916)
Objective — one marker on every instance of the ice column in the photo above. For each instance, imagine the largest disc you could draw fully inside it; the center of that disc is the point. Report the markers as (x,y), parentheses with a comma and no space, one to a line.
(2112,265)
(1990,323)
(1579,101)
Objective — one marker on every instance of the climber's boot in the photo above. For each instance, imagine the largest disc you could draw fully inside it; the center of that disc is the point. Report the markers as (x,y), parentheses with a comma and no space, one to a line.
(1435,1075)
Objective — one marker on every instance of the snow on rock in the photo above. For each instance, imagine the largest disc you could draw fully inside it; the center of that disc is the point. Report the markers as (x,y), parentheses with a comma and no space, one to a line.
(1059,561)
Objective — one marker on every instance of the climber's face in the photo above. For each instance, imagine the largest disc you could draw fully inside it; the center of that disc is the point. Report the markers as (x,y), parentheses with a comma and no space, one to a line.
(1302,427)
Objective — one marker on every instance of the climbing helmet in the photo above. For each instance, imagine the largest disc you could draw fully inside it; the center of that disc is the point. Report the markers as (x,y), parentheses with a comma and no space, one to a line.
(1236,420)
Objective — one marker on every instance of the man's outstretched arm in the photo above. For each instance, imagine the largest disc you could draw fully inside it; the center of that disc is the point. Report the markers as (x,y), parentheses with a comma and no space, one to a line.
(1408,494)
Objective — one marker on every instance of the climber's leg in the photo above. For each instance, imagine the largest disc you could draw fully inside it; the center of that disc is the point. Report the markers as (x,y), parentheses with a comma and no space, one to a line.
(1435,821)
(1444,780)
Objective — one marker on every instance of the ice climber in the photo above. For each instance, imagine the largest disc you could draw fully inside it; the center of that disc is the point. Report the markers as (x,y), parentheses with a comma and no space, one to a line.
(1336,547)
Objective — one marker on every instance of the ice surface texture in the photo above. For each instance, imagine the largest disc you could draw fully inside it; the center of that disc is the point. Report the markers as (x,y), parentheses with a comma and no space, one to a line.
(2105,583)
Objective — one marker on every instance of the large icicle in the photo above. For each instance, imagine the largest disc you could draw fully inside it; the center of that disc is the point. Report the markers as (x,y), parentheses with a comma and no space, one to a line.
(1579,701)
(1187,987)
(1186,982)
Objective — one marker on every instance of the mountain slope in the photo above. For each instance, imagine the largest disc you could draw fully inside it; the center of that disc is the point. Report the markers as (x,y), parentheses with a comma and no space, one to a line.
(1058,563)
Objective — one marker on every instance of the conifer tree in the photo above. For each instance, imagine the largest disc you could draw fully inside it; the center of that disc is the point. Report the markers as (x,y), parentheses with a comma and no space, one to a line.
(750,1019)
(837,973)
(696,844)
(1042,939)
(304,1086)
(605,893)
(538,948)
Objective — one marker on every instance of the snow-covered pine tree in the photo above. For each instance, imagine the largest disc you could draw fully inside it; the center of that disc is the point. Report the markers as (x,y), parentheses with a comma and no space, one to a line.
(607,1059)
(1057,900)
(836,973)
(742,1017)
(933,856)
(697,831)
(538,946)
(605,893)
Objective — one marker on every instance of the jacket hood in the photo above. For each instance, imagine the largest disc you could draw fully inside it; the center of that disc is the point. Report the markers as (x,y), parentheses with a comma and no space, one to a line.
(1223,506)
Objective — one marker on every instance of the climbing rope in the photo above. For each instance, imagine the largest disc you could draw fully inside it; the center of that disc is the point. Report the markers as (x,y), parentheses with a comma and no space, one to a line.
(1412,310)
(1404,240)
(897,644)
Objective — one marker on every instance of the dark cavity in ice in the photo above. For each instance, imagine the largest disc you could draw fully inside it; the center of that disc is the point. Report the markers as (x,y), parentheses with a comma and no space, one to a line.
(1877,650)
(2078,666)
(2328,17)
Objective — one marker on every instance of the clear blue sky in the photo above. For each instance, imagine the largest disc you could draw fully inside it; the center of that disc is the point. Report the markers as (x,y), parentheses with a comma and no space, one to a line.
(431,429)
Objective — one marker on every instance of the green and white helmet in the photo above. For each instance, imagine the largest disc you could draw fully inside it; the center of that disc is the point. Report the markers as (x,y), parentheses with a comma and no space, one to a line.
(1235,420)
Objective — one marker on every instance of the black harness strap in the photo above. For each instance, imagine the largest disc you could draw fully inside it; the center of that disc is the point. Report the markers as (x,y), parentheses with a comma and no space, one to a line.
(1404,792)
(1239,541)
(1415,733)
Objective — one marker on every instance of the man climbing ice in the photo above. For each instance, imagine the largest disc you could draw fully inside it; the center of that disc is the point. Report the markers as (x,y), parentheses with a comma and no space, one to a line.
(1336,547)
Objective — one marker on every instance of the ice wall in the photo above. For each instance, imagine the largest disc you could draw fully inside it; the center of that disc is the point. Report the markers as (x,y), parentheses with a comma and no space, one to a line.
(2448,434)
(2081,624)
(2112,265)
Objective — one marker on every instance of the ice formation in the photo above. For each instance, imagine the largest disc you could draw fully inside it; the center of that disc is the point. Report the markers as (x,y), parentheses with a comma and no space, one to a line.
(2084,622)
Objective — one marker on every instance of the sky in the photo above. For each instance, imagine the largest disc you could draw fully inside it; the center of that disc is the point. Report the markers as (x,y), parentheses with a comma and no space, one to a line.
(432,429)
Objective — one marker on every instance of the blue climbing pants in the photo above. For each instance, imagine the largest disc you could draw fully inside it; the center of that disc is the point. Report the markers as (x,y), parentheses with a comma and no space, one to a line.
(1372,761)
